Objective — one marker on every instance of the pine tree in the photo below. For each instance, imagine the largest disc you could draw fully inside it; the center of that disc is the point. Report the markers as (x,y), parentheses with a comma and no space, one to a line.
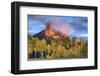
(74,42)
(67,43)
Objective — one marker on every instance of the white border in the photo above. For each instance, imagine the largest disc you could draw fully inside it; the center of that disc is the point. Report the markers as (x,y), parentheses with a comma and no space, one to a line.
(26,65)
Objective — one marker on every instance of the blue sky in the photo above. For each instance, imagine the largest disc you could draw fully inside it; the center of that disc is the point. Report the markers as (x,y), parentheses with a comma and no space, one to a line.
(77,26)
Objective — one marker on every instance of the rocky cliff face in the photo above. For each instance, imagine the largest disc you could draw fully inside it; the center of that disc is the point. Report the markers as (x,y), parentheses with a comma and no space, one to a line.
(50,33)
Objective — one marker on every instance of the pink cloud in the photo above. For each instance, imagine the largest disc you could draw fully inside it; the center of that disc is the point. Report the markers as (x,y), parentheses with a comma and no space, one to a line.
(60,25)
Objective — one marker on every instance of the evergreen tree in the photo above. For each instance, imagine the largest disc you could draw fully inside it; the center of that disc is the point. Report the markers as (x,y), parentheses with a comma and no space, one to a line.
(67,43)
(74,42)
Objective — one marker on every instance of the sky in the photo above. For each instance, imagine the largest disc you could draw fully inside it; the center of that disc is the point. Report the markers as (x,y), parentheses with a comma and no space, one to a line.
(70,25)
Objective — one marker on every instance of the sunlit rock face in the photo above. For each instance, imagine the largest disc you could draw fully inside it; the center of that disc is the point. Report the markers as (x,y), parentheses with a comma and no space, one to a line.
(50,33)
